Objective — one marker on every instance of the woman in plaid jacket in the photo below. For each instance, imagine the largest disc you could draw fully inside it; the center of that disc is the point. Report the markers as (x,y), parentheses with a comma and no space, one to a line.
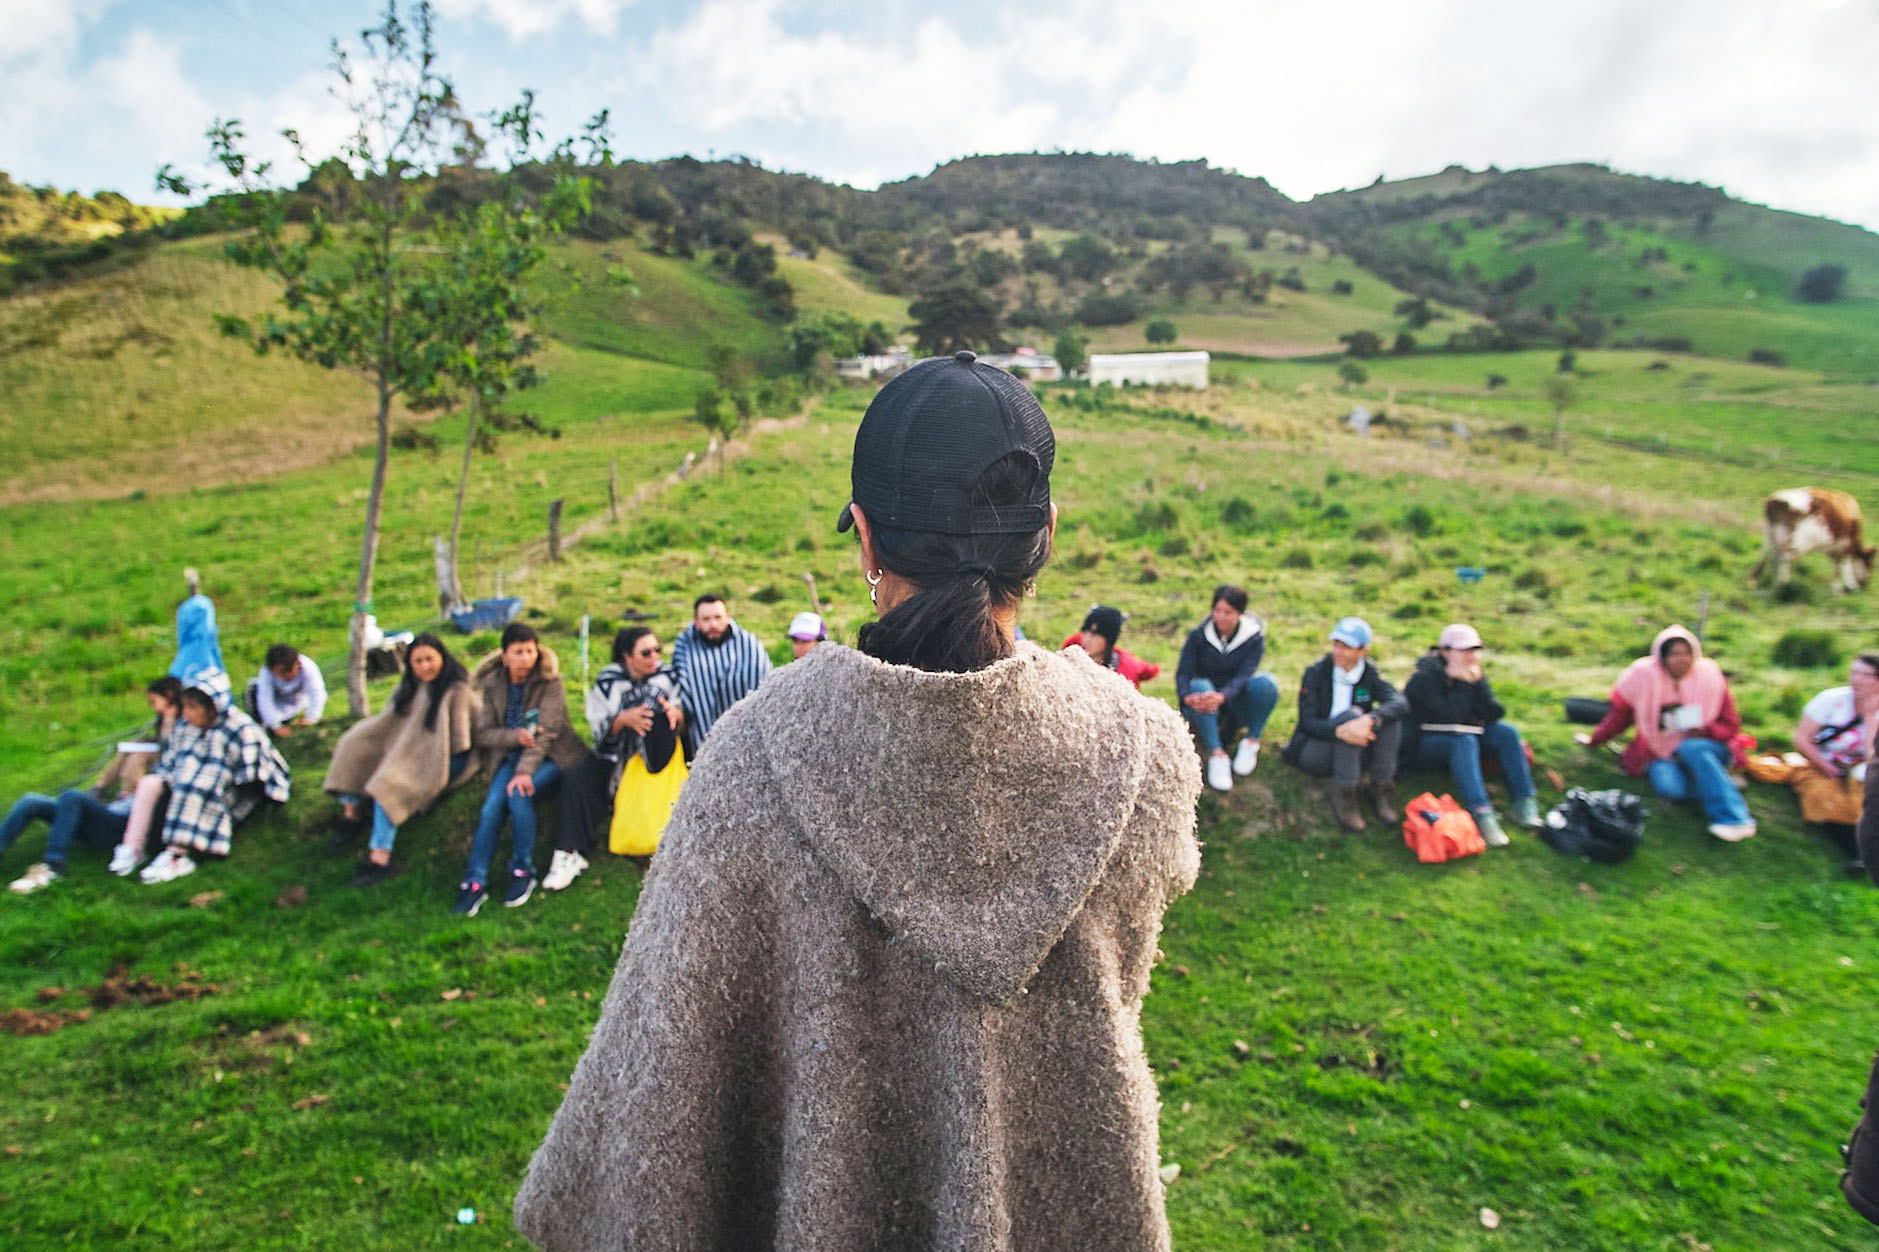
(219,765)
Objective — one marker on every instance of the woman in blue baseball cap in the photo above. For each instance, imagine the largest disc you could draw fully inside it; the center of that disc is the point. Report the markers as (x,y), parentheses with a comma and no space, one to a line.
(1350,720)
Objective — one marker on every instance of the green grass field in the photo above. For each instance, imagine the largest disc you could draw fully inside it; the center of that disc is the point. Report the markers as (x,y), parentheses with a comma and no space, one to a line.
(1660,1054)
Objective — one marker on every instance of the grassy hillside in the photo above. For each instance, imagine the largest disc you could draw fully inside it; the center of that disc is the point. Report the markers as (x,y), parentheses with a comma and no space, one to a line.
(121,383)
(1650,1055)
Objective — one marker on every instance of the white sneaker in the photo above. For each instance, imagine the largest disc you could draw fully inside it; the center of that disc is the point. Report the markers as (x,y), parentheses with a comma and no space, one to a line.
(123,860)
(40,875)
(1246,760)
(168,867)
(563,870)
(1219,774)
(1732,832)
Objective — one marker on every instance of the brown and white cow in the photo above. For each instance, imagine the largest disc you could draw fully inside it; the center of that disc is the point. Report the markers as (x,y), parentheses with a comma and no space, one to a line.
(1801,520)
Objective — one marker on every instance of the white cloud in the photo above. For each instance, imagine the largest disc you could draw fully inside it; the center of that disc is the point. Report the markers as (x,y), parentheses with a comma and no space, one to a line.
(523,18)
(33,30)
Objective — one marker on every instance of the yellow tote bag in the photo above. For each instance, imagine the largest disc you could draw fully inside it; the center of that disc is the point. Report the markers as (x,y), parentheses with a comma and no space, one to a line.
(643,805)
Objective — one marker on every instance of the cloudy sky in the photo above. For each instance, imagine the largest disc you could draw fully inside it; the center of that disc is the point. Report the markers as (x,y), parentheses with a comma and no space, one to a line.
(1774,102)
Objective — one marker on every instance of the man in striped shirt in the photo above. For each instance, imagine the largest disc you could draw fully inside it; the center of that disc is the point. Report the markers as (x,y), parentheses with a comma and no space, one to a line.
(718,663)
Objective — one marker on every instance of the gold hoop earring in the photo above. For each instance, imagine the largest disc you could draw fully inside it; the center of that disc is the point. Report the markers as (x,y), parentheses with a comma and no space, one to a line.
(874,577)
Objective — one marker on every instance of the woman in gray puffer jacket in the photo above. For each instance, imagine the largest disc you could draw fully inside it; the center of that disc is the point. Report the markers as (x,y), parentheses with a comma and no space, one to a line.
(883,987)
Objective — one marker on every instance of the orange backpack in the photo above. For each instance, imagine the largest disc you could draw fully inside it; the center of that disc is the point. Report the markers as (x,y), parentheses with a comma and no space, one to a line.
(1440,830)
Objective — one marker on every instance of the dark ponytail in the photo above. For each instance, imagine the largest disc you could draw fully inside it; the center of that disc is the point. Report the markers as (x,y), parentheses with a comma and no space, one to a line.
(449,676)
(947,624)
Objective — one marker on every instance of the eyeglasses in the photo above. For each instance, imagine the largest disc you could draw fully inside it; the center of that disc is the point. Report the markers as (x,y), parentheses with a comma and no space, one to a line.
(653,651)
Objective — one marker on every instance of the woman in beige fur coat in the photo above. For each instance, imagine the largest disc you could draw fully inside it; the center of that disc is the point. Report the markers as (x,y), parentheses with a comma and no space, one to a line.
(883,987)
(398,762)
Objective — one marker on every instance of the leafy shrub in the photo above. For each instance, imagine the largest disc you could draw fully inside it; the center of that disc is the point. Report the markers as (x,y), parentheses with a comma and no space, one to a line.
(1161,330)
(1794,593)
(1237,514)
(1333,477)
(1370,532)
(1767,356)
(1806,649)
(1297,558)
(1418,520)
(1496,380)
(1822,284)
(1155,517)
(1105,309)
(1173,545)
(1407,612)
(1341,287)
(1567,528)
(1352,373)
(1361,343)
(1404,344)
(1365,556)
(1335,512)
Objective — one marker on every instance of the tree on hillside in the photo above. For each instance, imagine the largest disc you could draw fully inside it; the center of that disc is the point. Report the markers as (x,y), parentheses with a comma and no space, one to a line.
(1415,311)
(1072,352)
(354,292)
(1161,330)
(1560,393)
(1823,284)
(1361,343)
(1086,257)
(954,315)
(483,297)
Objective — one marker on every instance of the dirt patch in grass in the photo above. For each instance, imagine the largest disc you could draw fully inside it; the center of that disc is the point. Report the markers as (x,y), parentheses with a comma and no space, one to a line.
(115,991)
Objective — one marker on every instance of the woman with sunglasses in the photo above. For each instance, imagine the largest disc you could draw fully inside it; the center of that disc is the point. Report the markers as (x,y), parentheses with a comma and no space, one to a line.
(633,710)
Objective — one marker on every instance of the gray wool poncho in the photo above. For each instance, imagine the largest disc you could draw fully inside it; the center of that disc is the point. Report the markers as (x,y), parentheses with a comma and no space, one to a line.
(883,987)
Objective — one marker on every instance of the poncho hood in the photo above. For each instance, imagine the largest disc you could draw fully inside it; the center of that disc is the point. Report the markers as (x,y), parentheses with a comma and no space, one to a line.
(971,814)
(214,684)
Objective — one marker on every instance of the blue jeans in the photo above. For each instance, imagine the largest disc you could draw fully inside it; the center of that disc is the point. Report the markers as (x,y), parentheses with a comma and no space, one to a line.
(383,831)
(520,810)
(71,814)
(1461,754)
(1251,706)
(1699,770)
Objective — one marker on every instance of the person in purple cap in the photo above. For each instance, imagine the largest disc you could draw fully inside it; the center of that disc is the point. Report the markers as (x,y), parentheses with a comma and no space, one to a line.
(1457,720)
(884,982)
(1350,719)
(806,630)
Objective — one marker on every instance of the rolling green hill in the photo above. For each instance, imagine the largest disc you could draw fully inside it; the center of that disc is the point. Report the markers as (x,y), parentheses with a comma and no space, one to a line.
(1653,261)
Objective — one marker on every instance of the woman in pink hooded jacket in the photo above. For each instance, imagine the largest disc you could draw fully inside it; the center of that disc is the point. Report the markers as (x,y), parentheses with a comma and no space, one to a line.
(1686,719)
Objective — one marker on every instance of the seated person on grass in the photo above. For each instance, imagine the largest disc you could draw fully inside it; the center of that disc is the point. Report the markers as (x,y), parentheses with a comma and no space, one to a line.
(1836,736)
(219,765)
(397,763)
(1102,626)
(1457,720)
(632,708)
(524,741)
(1350,720)
(289,691)
(1219,668)
(1686,723)
(96,817)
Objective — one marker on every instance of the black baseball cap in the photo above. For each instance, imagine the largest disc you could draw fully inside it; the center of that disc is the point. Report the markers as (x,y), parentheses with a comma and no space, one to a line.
(929,436)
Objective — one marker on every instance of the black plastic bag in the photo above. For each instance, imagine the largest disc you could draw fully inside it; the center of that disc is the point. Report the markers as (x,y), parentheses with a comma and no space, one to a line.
(1602,826)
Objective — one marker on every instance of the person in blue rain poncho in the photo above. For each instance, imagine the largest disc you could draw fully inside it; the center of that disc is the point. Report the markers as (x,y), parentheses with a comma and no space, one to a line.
(198,647)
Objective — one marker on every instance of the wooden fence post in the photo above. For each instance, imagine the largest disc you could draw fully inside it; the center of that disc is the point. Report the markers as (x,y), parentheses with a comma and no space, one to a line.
(554,530)
(613,489)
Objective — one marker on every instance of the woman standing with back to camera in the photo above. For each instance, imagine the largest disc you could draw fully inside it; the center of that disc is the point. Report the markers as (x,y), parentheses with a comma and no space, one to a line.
(882,990)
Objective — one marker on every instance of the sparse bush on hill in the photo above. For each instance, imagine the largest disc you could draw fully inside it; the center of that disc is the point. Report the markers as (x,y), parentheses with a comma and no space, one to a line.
(1806,649)
(1160,330)
(1822,285)
(1361,343)
(1104,308)
(1418,520)
(1297,558)
(1352,374)
(1767,356)
(1403,344)
(1237,515)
